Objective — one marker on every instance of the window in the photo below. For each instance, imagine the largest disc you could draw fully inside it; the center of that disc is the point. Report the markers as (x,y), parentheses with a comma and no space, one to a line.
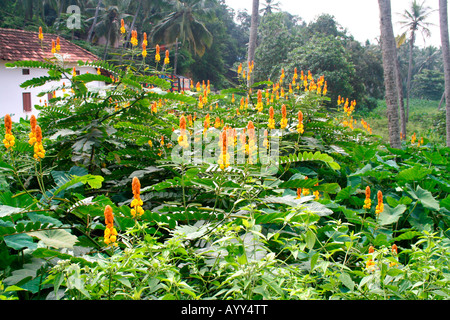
(26,96)
(77,72)
(25,72)
(50,96)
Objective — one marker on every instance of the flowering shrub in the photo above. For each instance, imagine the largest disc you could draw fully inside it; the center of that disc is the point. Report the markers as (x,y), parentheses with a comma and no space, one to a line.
(136,192)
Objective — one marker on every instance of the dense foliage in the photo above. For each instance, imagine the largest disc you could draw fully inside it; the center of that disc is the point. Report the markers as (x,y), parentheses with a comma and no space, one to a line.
(95,202)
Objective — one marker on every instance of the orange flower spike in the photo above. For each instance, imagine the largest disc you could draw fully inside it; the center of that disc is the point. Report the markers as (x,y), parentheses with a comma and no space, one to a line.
(122,27)
(53,47)
(394,249)
(283,122)
(299,193)
(157,56)
(9,140)
(182,123)
(300,127)
(32,134)
(109,216)
(371,249)
(367,201)
(41,35)
(58,44)
(8,124)
(167,60)
(380,206)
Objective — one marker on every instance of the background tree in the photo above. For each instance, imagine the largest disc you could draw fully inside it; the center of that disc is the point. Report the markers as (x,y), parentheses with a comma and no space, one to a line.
(389,55)
(414,20)
(253,32)
(183,23)
(269,7)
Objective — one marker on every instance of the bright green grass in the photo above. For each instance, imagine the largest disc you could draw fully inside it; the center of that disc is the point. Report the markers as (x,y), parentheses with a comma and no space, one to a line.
(424,119)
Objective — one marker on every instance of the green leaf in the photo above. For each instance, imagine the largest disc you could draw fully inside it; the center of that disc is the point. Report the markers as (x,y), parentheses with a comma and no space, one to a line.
(7,210)
(347,281)
(310,239)
(47,253)
(55,238)
(415,173)
(391,215)
(20,241)
(426,198)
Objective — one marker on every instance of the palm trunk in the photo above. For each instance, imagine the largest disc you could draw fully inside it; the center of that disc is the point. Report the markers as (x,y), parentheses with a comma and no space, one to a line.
(443,21)
(389,56)
(91,30)
(107,43)
(253,33)
(410,65)
(401,103)
(134,20)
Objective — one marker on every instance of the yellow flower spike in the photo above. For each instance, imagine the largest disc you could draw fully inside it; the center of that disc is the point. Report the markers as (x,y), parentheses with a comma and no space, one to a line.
(32,134)
(380,207)
(9,140)
(224,157)
(53,47)
(271,124)
(167,60)
(144,50)
(136,203)
(110,234)
(157,56)
(41,35)
(259,104)
(367,201)
(58,44)
(300,127)
(122,27)
(39,151)
(134,40)
(283,122)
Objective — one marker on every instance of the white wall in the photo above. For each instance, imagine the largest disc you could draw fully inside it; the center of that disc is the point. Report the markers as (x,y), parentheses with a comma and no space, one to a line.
(11,92)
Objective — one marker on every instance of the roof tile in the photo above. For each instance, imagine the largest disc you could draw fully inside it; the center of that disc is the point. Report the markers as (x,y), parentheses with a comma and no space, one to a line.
(19,45)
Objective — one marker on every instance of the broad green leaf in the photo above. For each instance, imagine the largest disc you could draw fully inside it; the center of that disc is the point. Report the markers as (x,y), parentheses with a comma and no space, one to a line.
(391,215)
(415,173)
(20,241)
(426,198)
(55,238)
(7,210)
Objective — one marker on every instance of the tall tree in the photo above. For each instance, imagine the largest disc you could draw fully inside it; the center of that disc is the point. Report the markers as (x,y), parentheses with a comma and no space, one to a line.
(414,20)
(270,6)
(443,21)
(94,23)
(184,22)
(253,32)
(389,55)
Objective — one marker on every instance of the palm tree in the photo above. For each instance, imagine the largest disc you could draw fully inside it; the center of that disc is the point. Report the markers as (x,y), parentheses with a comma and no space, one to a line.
(183,23)
(253,32)
(389,53)
(443,21)
(269,7)
(94,23)
(108,25)
(414,20)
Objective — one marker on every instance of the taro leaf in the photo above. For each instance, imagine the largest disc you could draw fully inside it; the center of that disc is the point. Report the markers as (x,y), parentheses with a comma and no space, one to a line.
(415,173)
(29,271)
(391,215)
(20,242)
(7,210)
(426,198)
(55,238)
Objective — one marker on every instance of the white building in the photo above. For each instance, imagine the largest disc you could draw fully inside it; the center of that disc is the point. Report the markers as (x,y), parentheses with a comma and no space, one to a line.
(19,45)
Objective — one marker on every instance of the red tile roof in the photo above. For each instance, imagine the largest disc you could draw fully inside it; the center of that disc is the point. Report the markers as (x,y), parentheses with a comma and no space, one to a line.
(19,45)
